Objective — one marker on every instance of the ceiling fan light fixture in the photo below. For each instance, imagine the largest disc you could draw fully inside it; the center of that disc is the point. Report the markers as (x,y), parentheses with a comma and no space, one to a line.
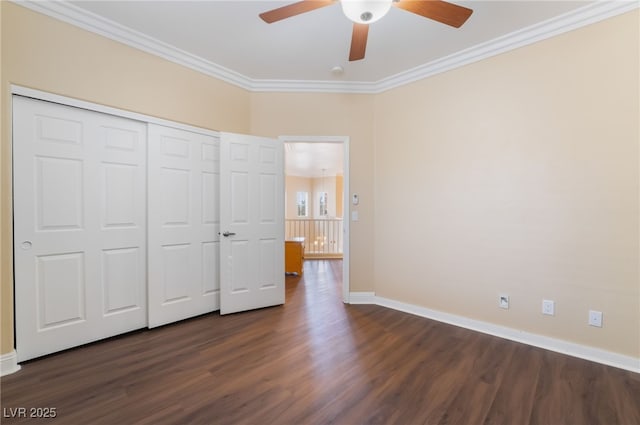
(365,11)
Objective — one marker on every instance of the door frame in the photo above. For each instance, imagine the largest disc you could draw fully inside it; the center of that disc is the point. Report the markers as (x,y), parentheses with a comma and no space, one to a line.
(346,202)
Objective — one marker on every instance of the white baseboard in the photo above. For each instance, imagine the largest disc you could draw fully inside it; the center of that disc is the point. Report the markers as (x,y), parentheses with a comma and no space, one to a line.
(553,344)
(9,363)
(362,298)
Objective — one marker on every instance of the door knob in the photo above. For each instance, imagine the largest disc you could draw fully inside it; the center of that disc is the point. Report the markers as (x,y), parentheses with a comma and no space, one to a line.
(227,234)
(26,245)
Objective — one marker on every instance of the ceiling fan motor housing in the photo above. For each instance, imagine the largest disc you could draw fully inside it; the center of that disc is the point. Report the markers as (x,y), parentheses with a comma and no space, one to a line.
(365,11)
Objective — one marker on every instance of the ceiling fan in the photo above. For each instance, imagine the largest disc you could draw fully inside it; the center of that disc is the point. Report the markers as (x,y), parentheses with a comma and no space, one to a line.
(365,12)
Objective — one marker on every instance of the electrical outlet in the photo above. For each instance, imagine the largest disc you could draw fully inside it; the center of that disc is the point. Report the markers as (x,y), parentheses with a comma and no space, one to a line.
(595,318)
(548,307)
(503,301)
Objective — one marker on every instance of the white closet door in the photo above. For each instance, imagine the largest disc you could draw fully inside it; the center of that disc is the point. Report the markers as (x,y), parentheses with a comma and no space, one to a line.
(184,222)
(79,226)
(252,220)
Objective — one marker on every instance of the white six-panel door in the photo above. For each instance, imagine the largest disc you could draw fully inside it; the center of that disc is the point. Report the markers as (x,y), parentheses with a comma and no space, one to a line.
(184,246)
(79,226)
(252,218)
(117,225)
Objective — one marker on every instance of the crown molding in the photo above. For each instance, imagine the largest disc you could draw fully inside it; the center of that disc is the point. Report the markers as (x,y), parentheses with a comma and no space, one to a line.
(86,20)
(308,86)
(570,21)
(578,18)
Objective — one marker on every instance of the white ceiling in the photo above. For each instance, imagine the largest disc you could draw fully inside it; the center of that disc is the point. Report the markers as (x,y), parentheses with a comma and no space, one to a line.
(313,159)
(306,47)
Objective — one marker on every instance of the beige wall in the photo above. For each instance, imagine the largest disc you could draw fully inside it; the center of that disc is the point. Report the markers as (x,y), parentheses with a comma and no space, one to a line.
(340,196)
(46,54)
(6,294)
(320,114)
(518,175)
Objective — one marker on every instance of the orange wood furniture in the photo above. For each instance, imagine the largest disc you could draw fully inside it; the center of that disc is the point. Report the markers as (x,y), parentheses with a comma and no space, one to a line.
(294,255)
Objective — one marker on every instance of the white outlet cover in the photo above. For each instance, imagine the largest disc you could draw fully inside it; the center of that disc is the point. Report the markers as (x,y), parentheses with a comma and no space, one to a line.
(548,307)
(595,318)
(503,301)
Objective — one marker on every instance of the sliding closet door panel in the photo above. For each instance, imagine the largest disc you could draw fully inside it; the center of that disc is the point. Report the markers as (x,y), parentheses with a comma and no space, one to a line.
(183,224)
(80,226)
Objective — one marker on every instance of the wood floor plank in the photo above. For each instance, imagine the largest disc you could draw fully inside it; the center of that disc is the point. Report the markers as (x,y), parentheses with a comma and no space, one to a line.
(316,360)
(473,400)
(514,399)
(624,390)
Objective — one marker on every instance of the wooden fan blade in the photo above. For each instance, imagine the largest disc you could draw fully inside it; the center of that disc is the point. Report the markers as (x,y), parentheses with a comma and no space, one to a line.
(294,9)
(358,41)
(438,10)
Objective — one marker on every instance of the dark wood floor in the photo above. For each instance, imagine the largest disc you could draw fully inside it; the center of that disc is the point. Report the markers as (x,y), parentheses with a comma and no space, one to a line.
(318,361)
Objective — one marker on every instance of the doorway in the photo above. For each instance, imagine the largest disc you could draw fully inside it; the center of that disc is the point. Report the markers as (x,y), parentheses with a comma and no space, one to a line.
(317,197)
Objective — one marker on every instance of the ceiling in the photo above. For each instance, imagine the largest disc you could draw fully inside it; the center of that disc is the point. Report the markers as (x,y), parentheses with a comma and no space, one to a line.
(313,159)
(230,35)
